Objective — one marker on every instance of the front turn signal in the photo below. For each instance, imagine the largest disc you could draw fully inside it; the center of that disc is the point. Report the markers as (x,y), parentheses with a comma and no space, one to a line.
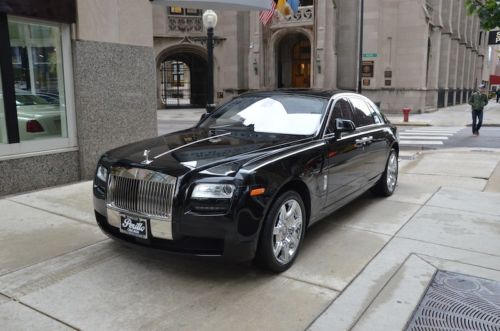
(257,191)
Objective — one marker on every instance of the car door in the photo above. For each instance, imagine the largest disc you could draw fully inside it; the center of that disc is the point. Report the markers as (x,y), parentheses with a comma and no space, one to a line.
(343,159)
(371,133)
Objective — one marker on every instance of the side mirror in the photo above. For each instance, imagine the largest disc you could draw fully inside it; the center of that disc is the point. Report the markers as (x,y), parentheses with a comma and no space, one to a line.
(342,125)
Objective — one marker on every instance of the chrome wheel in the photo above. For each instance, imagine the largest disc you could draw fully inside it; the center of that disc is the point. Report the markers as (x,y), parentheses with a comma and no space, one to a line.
(392,172)
(287,231)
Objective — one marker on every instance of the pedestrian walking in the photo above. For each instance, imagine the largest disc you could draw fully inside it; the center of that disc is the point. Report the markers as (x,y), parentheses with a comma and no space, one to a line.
(498,93)
(478,100)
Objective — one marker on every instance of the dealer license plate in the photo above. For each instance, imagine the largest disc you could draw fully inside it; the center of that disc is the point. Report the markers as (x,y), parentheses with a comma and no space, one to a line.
(134,226)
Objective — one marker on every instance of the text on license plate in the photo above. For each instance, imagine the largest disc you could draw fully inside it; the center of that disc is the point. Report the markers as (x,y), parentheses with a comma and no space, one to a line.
(134,226)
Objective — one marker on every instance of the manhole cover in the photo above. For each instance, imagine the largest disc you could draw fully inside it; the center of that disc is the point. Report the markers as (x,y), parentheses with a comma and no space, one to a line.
(455,302)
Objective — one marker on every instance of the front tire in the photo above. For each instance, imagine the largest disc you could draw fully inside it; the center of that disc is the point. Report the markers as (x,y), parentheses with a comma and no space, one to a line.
(387,183)
(282,233)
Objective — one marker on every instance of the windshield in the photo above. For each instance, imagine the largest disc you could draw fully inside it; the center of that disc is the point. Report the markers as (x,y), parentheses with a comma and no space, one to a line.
(283,114)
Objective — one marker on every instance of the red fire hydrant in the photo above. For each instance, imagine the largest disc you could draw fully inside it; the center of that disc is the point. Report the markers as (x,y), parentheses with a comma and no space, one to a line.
(406,114)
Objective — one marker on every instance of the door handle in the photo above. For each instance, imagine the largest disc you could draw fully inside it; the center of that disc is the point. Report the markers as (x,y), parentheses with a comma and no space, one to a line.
(359,142)
(363,141)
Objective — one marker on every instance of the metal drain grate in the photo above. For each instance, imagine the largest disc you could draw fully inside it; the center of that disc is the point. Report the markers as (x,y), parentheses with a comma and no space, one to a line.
(455,302)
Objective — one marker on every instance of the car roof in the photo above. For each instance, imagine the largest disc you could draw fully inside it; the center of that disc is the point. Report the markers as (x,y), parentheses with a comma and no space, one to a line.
(323,93)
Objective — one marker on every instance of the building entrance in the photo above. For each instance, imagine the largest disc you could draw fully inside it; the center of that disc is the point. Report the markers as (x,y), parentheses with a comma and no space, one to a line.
(175,84)
(294,61)
(183,80)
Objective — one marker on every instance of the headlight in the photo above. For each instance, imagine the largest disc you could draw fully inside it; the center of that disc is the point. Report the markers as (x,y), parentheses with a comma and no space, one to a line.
(102,173)
(213,191)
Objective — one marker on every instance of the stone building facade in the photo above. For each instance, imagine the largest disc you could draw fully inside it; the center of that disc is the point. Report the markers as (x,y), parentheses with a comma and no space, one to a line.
(422,54)
(78,78)
(430,54)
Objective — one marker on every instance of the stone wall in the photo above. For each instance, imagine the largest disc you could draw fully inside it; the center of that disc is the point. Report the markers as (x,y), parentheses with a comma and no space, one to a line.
(114,97)
(32,173)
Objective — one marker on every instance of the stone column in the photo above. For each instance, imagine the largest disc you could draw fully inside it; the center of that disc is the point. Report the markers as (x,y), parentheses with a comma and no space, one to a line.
(347,44)
(255,65)
(329,58)
(467,67)
(455,9)
(460,72)
(318,52)
(462,49)
(114,69)
(433,68)
(445,54)
(444,67)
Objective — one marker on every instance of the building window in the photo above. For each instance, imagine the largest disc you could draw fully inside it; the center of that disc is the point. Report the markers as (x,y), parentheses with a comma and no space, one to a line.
(40,58)
(174,10)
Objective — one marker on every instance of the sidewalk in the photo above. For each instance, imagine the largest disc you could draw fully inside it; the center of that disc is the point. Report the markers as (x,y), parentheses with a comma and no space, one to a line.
(456,228)
(451,116)
(365,267)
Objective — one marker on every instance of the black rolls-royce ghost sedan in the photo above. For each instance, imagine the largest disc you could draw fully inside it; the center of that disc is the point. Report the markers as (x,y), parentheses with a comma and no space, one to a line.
(247,181)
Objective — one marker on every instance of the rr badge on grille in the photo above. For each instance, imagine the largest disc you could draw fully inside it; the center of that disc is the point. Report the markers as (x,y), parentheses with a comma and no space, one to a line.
(146,156)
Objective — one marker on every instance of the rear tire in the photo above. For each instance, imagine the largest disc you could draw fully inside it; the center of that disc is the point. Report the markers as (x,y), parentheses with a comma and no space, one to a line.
(282,233)
(386,185)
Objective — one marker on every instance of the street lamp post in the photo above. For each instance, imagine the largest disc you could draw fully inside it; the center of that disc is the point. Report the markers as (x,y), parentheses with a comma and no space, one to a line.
(360,46)
(210,21)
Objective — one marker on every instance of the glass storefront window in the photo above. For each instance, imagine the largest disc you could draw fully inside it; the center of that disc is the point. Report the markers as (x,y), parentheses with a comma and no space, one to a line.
(36,51)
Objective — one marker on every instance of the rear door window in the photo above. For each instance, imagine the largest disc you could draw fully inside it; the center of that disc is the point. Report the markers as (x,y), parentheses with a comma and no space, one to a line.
(342,109)
(363,116)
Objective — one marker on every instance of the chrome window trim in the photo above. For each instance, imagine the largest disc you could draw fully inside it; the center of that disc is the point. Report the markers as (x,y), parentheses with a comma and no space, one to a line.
(334,100)
(364,99)
(328,108)
(362,133)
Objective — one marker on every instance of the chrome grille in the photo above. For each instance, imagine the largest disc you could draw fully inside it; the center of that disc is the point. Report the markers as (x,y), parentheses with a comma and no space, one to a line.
(142,192)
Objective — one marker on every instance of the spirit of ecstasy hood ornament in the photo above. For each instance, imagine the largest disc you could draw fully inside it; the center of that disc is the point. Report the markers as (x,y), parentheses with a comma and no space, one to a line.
(146,156)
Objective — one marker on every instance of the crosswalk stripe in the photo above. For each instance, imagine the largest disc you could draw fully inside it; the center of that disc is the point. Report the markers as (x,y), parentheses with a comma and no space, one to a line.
(425,138)
(420,142)
(433,131)
(424,134)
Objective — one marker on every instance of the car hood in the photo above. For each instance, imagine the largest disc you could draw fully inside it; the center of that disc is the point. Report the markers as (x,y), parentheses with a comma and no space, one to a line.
(200,148)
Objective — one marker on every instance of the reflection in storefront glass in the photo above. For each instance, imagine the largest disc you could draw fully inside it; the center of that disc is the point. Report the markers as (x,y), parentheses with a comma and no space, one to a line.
(3,131)
(38,75)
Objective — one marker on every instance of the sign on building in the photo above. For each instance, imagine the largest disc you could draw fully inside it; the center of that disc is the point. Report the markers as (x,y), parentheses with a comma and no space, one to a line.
(494,37)
(367,69)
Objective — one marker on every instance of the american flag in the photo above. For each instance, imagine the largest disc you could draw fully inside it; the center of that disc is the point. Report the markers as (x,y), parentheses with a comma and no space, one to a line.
(266,15)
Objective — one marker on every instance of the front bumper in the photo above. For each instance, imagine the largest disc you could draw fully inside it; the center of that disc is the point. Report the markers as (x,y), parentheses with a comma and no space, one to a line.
(198,235)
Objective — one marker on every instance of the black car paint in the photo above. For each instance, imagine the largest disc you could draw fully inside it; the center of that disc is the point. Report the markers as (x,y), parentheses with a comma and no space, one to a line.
(275,162)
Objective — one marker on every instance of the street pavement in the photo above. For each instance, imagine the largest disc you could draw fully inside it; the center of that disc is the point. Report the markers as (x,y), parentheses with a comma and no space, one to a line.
(364,267)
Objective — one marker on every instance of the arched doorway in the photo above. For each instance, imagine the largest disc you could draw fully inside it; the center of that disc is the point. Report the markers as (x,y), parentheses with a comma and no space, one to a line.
(175,84)
(182,79)
(294,61)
